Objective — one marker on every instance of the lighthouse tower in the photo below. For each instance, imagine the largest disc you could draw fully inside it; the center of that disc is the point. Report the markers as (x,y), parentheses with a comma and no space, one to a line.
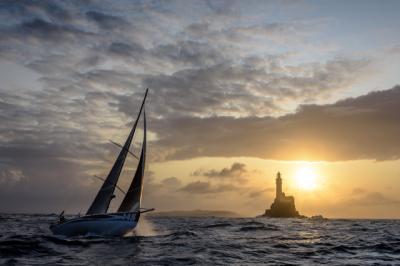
(283,206)
(279,193)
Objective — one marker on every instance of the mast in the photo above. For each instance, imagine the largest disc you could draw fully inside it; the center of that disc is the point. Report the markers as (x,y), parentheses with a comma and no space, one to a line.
(106,192)
(131,201)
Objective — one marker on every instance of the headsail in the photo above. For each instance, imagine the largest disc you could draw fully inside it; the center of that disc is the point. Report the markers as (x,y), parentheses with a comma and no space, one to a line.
(133,197)
(106,192)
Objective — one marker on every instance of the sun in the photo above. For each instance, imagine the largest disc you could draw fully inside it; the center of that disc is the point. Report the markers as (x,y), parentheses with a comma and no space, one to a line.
(306,178)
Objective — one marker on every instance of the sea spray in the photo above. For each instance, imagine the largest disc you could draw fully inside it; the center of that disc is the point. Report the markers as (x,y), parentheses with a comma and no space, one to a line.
(145,228)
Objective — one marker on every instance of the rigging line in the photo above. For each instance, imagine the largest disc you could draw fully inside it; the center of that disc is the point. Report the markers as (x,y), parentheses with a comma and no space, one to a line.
(102,179)
(119,145)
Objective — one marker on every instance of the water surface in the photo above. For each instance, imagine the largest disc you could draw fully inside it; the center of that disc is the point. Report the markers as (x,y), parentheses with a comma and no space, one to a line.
(26,240)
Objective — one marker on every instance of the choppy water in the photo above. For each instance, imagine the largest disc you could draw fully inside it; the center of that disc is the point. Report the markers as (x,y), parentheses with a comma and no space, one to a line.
(26,240)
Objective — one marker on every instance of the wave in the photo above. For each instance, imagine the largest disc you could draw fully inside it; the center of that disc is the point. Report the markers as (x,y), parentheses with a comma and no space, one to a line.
(25,239)
(258,228)
(218,225)
(251,223)
(16,248)
(69,242)
(385,247)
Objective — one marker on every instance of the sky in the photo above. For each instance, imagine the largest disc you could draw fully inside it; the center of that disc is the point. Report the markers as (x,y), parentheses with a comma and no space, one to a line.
(239,90)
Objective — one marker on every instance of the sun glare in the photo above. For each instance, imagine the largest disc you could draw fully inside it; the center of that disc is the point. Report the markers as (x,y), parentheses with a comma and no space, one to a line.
(306,178)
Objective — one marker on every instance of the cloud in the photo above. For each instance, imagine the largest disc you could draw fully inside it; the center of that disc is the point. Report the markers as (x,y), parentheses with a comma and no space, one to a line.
(259,193)
(11,176)
(363,197)
(237,170)
(171,182)
(220,86)
(45,30)
(358,191)
(364,127)
(201,187)
(106,21)
(221,79)
(249,88)
(197,187)
(39,30)
(373,198)
(171,194)
(126,49)
(49,9)
(189,53)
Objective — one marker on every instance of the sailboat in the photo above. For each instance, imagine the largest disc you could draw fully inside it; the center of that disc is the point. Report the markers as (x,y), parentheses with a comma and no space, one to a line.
(97,221)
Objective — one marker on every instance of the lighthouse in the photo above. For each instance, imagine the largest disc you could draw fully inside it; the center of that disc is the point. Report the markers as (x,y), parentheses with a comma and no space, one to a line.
(278,186)
(283,206)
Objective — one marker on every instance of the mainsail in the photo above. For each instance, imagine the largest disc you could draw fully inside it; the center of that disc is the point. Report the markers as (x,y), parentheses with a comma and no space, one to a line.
(106,192)
(133,197)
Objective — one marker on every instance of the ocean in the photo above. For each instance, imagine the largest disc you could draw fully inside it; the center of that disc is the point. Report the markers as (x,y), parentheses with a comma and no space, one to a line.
(26,240)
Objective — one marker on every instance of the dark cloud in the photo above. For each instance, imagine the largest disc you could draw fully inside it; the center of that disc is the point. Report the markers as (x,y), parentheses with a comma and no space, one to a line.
(126,50)
(221,7)
(365,127)
(189,52)
(44,185)
(106,21)
(27,8)
(221,80)
(247,89)
(41,29)
(237,170)
(47,158)
(171,182)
